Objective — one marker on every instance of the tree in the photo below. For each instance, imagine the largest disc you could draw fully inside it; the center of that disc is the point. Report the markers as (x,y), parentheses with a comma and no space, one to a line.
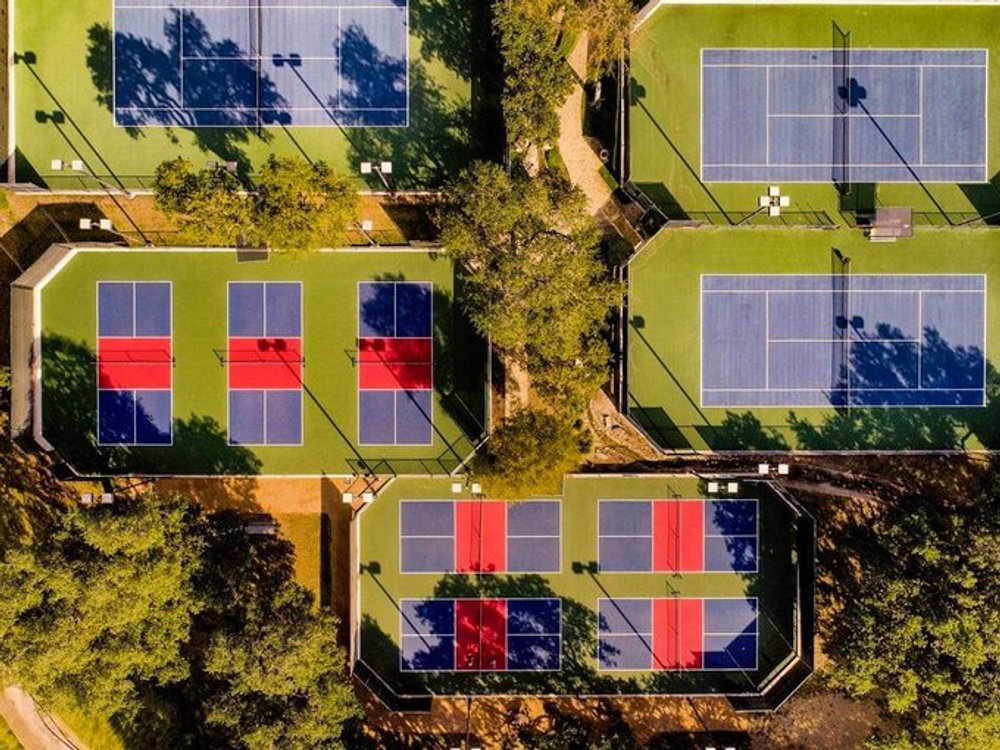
(921,628)
(295,205)
(102,608)
(301,206)
(533,280)
(529,454)
(210,203)
(176,625)
(608,24)
(537,79)
(284,677)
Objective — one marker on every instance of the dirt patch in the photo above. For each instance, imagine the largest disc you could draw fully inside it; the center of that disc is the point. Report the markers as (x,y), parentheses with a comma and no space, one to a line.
(821,720)
(616,440)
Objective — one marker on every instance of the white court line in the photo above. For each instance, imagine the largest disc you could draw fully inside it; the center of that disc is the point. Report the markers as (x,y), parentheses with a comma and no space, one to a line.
(767,111)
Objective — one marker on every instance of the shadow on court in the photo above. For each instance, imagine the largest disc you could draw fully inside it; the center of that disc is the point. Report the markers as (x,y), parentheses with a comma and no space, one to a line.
(151,79)
(69,401)
(459,376)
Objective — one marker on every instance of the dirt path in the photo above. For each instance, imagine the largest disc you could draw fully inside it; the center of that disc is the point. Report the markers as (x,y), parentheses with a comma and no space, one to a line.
(584,166)
(35,729)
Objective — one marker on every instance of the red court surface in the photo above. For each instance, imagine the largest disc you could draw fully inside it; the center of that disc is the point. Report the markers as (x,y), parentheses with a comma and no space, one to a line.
(395,363)
(480,536)
(678,631)
(678,536)
(134,363)
(481,634)
(265,364)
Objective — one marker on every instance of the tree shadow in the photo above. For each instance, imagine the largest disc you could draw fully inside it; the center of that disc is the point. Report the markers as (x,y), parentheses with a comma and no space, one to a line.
(436,140)
(460,35)
(69,406)
(147,81)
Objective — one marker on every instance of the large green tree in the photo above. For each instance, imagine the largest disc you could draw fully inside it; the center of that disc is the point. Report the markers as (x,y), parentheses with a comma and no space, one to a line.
(920,626)
(293,205)
(534,282)
(103,607)
(537,79)
(529,454)
(532,36)
(177,625)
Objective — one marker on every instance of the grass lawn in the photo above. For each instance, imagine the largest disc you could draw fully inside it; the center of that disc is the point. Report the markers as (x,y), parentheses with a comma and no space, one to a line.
(330,431)
(666,98)
(664,342)
(63,95)
(579,586)
(7,739)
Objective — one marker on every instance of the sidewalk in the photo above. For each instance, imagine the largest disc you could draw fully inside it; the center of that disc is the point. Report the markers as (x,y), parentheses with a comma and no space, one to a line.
(583,165)
(35,729)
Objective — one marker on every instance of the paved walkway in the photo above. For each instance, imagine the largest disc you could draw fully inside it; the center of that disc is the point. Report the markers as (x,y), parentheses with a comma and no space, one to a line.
(584,166)
(35,729)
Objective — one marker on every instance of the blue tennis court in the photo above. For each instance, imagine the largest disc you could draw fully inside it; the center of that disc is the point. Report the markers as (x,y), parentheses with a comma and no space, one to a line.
(678,536)
(813,115)
(843,340)
(134,363)
(261,63)
(639,635)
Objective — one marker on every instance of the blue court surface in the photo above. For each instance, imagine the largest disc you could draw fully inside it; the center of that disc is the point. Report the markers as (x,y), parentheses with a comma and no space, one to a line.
(395,369)
(678,536)
(843,340)
(636,635)
(254,63)
(511,635)
(436,536)
(858,115)
(134,363)
(264,362)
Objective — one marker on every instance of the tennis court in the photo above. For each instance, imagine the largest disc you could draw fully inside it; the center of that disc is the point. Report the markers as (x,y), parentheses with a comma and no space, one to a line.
(678,634)
(395,363)
(480,635)
(678,536)
(843,340)
(814,115)
(134,363)
(480,536)
(265,362)
(263,63)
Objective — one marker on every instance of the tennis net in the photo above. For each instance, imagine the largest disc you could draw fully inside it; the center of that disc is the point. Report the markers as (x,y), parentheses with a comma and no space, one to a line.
(841,50)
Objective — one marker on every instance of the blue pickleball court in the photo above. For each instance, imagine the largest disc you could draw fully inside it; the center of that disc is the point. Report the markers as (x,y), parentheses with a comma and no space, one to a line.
(261,63)
(816,115)
(843,340)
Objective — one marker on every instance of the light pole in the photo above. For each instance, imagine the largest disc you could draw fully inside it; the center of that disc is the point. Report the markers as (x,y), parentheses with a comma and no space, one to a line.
(381,169)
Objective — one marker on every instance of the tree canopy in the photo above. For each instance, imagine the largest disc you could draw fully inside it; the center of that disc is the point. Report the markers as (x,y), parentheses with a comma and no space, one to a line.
(178,626)
(920,628)
(103,607)
(533,280)
(532,35)
(529,454)
(293,205)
